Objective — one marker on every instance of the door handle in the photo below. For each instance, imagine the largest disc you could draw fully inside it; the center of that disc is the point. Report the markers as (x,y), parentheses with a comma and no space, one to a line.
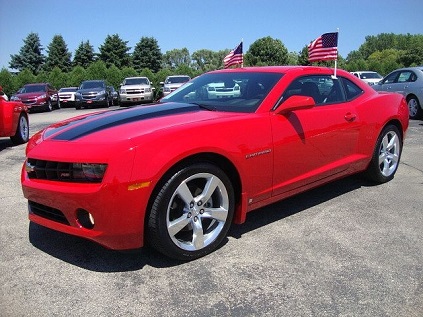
(350,117)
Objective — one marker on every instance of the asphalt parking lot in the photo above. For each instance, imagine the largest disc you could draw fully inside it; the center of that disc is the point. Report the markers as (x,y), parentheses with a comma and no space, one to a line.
(345,249)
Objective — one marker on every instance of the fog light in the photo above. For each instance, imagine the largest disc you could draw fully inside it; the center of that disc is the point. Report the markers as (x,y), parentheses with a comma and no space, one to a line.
(85,219)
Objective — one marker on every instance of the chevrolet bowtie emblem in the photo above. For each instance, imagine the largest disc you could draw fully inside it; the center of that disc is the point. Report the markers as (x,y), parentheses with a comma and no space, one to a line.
(29,168)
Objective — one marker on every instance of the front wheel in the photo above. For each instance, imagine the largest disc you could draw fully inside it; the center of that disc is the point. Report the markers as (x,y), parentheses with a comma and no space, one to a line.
(386,156)
(22,131)
(192,212)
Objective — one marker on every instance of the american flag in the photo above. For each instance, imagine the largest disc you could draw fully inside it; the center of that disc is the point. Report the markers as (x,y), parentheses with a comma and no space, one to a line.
(234,57)
(324,48)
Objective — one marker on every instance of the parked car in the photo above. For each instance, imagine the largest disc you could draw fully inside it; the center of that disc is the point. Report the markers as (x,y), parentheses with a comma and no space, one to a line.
(177,174)
(115,96)
(370,77)
(41,96)
(136,90)
(67,96)
(14,122)
(93,93)
(173,82)
(223,90)
(408,82)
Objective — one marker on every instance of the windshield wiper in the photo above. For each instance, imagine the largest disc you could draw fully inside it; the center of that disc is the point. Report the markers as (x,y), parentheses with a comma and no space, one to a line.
(202,106)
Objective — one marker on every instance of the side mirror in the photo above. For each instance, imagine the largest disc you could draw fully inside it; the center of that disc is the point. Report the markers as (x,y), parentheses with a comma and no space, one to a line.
(296,103)
(162,83)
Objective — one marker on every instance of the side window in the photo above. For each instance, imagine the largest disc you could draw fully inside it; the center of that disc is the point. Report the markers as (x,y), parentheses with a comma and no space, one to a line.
(404,76)
(323,89)
(351,90)
(390,78)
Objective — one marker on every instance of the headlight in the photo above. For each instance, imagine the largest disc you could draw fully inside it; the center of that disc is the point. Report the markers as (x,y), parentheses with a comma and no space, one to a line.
(122,91)
(166,89)
(15,98)
(89,171)
(147,90)
(103,92)
(42,96)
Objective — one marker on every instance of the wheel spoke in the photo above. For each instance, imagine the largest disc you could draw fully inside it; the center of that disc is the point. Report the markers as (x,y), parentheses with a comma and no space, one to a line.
(185,194)
(219,214)
(209,188)
(178,224)
(198,235)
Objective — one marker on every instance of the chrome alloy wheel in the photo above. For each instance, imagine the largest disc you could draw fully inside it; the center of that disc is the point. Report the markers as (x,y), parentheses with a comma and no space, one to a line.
(24,128)
(389,152)
(197,211)
(413,107)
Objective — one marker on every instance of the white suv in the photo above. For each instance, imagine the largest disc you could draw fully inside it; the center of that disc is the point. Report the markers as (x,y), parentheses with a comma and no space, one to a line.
(372,78)
(173,82)
(135,90)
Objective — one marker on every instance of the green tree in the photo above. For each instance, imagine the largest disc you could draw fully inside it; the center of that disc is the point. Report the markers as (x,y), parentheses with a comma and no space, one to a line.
(205,60)
(24,77)
(6,81)
(303,57)
(128,72)
(114,51)
(97,70)
(58,55)
(174,58)
(58,78)
(384,61)
(147,54)
(114,76)
(30,56)
(76,76)
(84,55)
(267,51)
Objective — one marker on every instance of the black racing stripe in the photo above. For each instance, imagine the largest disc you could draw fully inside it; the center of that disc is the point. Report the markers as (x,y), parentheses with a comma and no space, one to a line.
(132,115)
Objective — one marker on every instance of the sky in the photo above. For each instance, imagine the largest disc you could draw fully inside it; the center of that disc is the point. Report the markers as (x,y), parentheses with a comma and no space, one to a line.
(199,24)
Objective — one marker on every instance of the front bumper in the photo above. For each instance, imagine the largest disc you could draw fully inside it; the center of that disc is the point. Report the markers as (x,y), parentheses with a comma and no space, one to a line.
(136,98)
(117,211)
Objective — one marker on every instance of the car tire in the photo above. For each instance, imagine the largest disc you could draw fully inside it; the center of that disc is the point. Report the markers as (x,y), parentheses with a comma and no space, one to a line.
(191,212)
(414,109)
(58,106)
(49,106)
(22,131)
(386,156)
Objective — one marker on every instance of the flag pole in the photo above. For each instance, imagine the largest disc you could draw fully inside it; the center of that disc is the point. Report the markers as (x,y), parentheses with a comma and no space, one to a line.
(337,50)
(242,63)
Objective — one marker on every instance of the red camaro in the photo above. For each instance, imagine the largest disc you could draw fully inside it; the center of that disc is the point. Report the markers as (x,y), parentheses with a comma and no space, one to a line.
(177,174)
(14,121)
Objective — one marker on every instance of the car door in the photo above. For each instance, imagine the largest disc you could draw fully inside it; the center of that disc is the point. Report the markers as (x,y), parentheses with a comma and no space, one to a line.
(389,82)
(317,143)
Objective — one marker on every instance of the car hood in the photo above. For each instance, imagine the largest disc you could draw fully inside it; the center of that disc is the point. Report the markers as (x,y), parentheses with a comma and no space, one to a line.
(127,124)
(90,90)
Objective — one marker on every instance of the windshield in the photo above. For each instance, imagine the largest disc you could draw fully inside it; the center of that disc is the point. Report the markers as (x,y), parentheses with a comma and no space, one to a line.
(231,91)
(33,88)
(177,80)
(370,76)
(72,89)
(136,81)
(92,84)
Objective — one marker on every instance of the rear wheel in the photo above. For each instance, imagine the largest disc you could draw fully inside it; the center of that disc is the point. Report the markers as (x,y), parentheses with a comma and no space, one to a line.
(414,109)
(192,212)
(386,156)
(49,106)
(22,131)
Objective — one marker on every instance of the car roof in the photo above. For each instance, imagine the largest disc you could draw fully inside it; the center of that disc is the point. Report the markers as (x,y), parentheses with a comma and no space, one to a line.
(283,69)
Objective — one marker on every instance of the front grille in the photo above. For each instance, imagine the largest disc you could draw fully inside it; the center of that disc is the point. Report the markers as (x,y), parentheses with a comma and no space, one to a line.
(57,171)
(47,212)
(135,91)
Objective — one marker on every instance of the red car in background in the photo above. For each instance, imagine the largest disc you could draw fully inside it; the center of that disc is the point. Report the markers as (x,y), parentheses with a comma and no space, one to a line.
(42,96)
(177,174)
(14,121)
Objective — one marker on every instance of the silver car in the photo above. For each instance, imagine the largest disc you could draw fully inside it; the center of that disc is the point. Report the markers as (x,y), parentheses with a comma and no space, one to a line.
(409,82)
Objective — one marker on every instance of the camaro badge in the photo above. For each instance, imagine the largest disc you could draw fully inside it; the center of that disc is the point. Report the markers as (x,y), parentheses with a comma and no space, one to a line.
(248,156)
